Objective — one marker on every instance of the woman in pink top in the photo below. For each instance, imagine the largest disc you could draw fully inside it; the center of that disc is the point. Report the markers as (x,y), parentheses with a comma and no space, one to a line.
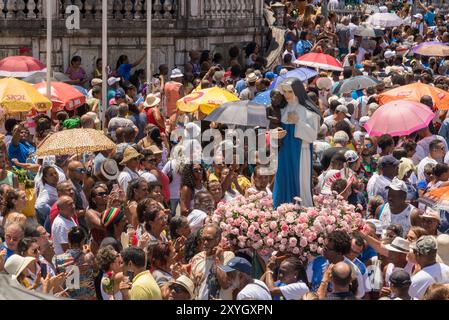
(76,74)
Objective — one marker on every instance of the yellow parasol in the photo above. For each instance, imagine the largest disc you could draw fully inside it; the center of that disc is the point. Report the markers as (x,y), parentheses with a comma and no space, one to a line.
(19,96)
(74,141)
(205,100)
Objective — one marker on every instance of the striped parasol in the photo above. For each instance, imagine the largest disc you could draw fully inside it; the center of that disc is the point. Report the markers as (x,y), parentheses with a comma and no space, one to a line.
(74,141)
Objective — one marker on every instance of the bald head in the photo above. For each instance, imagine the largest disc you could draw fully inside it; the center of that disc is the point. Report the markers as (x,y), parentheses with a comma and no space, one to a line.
(87,122)
(76,171)
(66,206)
(341,274)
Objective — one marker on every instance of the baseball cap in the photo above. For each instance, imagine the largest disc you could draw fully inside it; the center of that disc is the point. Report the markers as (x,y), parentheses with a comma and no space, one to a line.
(113,80)
(270,75)
(389,160)
(400,278)
(344,109)
(424,245)
(176,73)
(237,264)
(398,185)
(351,156)
(363,120)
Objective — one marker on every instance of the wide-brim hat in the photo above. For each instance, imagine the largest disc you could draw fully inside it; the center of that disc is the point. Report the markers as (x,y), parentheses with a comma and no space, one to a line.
(251,78)
(400,245)
(324,83)
(129,154)
(443,249)
(151,100)
(16,264)
(109,169)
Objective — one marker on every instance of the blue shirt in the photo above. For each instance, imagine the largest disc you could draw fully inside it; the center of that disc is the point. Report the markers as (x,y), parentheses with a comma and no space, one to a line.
(360,265)
(429,18)
(21,152)
(9,252)
(124,71)
(240,86)
(319,266)
(367,254)
(303,47)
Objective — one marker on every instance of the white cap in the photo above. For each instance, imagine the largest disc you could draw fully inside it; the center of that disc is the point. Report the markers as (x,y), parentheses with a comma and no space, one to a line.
(113,80)
(351,156)
(389,54)
(398,185)
(363,120)
(176,73)
(418,16)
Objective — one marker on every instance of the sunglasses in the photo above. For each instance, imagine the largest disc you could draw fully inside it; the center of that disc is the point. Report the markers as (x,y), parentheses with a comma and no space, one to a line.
(102,194)
(80,170)
(178,289)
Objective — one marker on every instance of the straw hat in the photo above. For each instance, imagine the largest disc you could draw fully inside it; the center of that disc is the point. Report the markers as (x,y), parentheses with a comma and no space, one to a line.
(16,264)
(399,244)
(96,82)
(186,283)
(251,78)
(324,83)
(130,154)
(151,100)
(109,169)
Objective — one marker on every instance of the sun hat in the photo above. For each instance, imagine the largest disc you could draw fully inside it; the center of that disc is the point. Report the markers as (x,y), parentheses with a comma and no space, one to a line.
(153,150)
(400,278)
(405,166)
(176,73)
(186,283)
(129,154)
(109,169)
(398,185)
(113,80)
(431,213)
(151,100)
(237,264)
(424,245)
(16,264)
(443,248)
(399,244)
(96,82)
(111,216)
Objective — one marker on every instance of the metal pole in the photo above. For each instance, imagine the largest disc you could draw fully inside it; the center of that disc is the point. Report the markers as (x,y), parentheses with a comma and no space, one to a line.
(149,18)
(49,46)
(104,61)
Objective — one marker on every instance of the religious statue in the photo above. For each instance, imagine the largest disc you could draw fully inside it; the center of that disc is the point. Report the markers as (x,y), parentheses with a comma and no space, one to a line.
(300,123)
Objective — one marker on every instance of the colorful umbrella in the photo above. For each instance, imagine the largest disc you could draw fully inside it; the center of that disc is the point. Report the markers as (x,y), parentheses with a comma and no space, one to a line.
(86,93)
(427,43)
(399,118)
(244,113)
(42,76)
(302,74)
(433,50)
(415,92)
(386,20)
(63,95)
(19,96)
(20,66)
(355,83)
(205,100)
(75,141)
(320,61)
(438,197)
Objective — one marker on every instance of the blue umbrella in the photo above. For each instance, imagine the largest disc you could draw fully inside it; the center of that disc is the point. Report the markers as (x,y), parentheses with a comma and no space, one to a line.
(302,74)
(263,98)
(82,90)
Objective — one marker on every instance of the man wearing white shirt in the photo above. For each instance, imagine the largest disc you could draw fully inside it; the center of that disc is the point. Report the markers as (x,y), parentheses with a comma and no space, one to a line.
(389,166)
(425,250)
(62,224)
(131,162)
(437,151)
(422,146)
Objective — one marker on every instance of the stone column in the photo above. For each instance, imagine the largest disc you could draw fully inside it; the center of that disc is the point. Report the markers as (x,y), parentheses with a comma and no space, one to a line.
(278,9)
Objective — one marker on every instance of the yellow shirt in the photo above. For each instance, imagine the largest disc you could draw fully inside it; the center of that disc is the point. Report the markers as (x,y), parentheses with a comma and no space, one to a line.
(243,181)
(145,287)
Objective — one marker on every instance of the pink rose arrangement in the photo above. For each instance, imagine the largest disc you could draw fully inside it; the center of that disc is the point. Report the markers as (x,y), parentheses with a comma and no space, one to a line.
(253,223)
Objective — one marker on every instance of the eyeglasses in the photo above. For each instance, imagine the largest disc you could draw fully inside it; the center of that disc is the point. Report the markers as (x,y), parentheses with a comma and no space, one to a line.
(177,288)
(80,170)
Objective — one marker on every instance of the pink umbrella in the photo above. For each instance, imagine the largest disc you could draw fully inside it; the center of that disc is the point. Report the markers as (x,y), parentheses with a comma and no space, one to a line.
(399,118)
(20,66)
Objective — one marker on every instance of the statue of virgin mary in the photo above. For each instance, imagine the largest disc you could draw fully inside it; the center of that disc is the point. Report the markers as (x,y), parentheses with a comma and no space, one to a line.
(301,121)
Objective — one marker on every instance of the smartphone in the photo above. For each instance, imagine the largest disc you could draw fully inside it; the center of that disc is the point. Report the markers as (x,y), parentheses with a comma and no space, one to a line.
(130,275)
(43,270)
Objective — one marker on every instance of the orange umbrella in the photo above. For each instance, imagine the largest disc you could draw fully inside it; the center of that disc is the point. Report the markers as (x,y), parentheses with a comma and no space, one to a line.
(438,197)
(63,95)
(415,92)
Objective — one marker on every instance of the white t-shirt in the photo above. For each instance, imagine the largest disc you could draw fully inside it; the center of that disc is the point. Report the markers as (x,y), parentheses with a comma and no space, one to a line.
(422,147)
(175,185)
(294,291)
(436,273)
(125,177)
(60,231)
(421,166)
(403,218)
(255,291)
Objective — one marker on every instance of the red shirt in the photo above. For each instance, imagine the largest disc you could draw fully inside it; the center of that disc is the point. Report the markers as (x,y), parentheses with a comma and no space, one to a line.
(165,181)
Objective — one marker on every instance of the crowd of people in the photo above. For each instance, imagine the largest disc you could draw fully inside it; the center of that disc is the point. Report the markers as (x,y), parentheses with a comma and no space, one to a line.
(134,223)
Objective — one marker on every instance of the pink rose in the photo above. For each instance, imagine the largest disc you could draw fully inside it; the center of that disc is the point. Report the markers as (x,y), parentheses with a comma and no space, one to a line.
(313,247)
(284,241)
(269,242)
(303,242)
(273,225)
(296,250)
(282,248)
(292,242)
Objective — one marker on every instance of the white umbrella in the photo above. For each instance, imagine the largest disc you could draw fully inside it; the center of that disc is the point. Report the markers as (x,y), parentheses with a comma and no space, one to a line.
(386,20)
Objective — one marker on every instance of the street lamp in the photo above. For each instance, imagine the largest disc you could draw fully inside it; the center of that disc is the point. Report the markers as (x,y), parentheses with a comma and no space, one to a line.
(104,61)
(49,46)
(149,18)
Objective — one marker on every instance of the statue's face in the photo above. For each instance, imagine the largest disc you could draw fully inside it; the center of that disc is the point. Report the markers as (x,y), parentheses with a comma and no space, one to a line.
(276,99)
(288,94)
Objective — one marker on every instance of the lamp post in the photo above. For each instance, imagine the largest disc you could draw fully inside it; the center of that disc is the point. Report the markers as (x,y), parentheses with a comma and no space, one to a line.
(149,18)
(49,45)
(104,60)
